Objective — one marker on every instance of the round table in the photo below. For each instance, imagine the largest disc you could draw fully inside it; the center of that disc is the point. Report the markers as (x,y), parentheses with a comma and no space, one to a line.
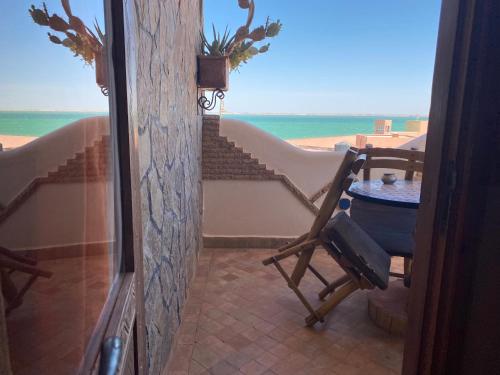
(400,194)
(387,308)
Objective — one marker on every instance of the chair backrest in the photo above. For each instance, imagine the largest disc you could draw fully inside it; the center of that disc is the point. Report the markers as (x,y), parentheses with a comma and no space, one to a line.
(345,175)
(410,161)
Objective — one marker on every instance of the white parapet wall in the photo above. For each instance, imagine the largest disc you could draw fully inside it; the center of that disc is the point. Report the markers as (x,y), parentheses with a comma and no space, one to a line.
(60,212)
(18,167)
(265,208)
(242,208)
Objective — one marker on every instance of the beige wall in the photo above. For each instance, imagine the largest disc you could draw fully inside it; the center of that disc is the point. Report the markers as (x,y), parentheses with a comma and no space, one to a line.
(61,214)
(252,208)
(20,166)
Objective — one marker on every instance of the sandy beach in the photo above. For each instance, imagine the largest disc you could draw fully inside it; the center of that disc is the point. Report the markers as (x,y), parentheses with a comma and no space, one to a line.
(322,143)
(13,141)
(328,143)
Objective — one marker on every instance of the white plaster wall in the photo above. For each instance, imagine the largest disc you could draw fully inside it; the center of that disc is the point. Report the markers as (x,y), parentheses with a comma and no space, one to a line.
(60,215)
(308,170)
(268,208)
(252,208)
(22,165)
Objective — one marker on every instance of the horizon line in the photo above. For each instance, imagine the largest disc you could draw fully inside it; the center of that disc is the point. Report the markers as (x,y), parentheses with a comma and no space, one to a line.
(325,114)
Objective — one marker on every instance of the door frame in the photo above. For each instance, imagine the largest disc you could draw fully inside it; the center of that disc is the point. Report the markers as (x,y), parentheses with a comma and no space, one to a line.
(123,314)
(461,151)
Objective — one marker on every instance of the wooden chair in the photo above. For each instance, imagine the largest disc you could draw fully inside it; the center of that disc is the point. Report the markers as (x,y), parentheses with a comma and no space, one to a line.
(304,246)
(385,231)
(410,161)
(5,368)
(11,262)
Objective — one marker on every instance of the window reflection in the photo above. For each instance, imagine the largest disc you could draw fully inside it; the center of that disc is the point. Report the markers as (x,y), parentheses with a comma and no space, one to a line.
(58,241)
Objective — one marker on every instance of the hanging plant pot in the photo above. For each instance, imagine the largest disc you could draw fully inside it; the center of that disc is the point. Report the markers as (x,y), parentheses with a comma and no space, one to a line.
(213,72)
(101,71)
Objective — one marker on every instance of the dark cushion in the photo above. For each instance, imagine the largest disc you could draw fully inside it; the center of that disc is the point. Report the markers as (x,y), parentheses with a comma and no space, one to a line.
(391,227)
(344,238)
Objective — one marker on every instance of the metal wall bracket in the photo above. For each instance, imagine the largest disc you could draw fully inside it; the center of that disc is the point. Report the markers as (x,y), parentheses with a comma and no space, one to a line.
(209,104)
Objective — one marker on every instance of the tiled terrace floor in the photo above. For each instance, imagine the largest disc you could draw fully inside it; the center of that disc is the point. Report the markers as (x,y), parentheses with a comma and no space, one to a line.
(241,318)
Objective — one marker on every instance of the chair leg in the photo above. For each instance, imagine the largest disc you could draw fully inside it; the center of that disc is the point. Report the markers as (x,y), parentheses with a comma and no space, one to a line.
(332,286)
(18,300)
(293,243)
(297,291)
(334,300)
(408,262)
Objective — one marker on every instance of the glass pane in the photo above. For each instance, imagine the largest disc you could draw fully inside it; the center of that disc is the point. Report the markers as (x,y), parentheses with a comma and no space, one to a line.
(58,240)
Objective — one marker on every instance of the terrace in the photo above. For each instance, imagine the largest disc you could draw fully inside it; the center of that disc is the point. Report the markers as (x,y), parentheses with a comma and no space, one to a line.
(153,238)
(241,318)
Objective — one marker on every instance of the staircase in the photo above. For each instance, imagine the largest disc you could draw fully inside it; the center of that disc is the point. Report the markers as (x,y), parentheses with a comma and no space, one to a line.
(91,165)
(223,160)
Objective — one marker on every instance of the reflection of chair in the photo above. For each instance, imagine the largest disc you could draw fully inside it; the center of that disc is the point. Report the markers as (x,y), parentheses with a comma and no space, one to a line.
(391,227)
(11,262)
(4,342)
(305,245)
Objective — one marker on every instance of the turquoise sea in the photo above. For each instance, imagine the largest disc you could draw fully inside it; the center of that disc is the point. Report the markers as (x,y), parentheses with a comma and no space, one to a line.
(282,126)
(38,123)
(311,126)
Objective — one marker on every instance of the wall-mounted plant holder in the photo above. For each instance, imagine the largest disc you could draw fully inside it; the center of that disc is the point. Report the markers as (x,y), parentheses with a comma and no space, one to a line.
(213,75)
(101,71)
(213,72)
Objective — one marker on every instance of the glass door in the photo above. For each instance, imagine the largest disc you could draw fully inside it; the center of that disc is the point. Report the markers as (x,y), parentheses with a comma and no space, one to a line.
(60,210)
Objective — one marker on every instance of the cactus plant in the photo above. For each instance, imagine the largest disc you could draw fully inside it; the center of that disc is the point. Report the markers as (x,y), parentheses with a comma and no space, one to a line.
(77,37)
(241,46)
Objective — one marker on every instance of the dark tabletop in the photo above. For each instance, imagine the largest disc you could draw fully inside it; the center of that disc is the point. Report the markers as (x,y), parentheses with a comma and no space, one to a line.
(400,194)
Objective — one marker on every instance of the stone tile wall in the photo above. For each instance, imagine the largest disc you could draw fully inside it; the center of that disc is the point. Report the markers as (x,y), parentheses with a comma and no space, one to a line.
(163,39)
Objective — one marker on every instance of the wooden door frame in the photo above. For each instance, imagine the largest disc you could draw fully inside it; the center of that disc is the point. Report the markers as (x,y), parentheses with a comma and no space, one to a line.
(459,143)
(125,309)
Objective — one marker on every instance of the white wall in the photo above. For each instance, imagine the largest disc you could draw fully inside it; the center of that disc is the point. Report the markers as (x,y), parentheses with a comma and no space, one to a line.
(60,215)
(20,166)
(266,208)
(252,208)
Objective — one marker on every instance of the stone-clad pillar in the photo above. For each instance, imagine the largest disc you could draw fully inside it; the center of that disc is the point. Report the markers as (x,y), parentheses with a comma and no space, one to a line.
(163,39)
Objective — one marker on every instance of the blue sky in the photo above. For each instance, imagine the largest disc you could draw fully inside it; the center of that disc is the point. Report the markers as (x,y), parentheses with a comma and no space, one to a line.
(333,56)
(38,75)
(336,56)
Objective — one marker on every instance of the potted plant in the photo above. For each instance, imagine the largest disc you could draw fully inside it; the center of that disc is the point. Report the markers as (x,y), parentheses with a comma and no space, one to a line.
(213,66)
(78,38)
(225,53)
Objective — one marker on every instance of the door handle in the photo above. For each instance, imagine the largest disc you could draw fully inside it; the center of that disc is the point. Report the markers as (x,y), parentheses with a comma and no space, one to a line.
(111,353)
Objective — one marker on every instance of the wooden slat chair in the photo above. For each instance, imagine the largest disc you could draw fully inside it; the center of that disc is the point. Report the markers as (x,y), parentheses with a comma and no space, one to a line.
(11,262)
(304,246)
(386,224)
(410,161)
(5,368)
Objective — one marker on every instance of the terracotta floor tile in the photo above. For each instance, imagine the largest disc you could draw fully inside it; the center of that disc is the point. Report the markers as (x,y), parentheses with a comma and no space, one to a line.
(205,356)
(223,368)
(246,320)
(238,359)
(267,359)
(195,368)
(253,368)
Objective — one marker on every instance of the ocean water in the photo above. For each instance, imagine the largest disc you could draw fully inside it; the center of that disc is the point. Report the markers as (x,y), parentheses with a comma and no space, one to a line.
(38,123)
(309,126)
(282,126)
